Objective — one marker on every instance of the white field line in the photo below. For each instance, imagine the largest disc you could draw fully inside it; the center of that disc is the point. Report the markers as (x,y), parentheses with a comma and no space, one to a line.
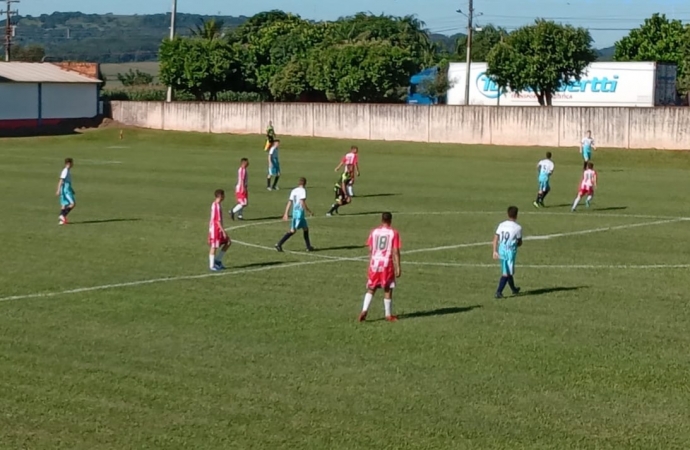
(554,266)
(157,280)
(90,162)
(476,244)
(322,259)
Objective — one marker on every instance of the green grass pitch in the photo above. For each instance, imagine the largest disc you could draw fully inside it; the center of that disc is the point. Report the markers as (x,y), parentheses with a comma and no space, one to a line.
(115,335)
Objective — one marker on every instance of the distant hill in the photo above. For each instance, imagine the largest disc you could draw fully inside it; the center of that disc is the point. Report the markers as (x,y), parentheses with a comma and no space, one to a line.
(606,54)
(447,42)
(105,38)
(110,38)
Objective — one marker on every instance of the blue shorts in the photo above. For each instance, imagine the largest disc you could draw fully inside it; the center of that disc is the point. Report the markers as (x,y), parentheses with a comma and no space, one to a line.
(298,223)
(587,156)
(274,171)
(508,266)
(66,197)
(544,185)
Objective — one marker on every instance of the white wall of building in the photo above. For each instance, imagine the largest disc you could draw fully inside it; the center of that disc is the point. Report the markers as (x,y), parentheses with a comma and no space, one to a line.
(69,101)
(18,101)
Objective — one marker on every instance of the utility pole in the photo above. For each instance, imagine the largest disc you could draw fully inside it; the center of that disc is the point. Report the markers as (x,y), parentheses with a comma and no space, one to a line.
(9,29)
(172,36)
(470,29)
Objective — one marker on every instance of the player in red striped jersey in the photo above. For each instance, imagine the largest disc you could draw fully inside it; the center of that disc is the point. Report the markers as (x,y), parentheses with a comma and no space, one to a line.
(218,239)
(384,265)
(350,159)
(241,190)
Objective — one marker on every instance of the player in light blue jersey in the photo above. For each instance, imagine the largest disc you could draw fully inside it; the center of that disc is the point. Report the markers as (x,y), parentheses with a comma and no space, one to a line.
(298,202)
(273,166)
(545,169)
(507,239)
(65,191)
(586,148)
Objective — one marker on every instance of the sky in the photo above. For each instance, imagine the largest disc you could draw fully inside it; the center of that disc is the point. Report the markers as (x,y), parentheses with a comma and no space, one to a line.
(607,20)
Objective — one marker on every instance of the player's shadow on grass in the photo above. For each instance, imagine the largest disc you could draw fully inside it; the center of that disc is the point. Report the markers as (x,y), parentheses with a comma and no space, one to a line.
(367,213)
(342,247)
(263,218)
(439,312)
(551,290)
(94,222)
(260,264)
(611,208)
(375,195)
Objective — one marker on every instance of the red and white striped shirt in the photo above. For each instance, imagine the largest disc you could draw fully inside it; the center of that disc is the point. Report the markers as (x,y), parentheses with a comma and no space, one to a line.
(351,159)
(589,179)
(382,242)
(216,222)
(242,181)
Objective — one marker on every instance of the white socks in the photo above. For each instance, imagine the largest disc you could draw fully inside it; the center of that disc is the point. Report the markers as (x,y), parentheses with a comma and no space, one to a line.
(589,198)
(350,191)
(387,304)
(575,203)
(211,261)
(237,209)
(367,302)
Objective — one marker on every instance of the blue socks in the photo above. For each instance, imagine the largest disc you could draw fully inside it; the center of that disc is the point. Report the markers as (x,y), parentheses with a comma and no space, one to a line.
(511,283)
(502,285)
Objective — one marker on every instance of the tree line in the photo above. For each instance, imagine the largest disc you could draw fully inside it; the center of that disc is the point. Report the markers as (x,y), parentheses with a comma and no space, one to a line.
(366,58)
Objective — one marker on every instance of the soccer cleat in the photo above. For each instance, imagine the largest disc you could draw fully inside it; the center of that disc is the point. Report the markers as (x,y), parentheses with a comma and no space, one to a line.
(220,265)
(362,316)
(215,269)
(516,291)
(232,214)
(329,215)
(536,205)
(311,249)
(391,318)
(276,188)
(587,203)
(240,217)
(279,248)
(269,189)
(498,296)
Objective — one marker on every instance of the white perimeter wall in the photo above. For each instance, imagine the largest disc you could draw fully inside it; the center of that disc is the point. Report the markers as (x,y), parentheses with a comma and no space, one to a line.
(661,128)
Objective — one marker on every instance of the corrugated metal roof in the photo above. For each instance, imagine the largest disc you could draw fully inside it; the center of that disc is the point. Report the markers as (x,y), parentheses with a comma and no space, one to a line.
(21,72)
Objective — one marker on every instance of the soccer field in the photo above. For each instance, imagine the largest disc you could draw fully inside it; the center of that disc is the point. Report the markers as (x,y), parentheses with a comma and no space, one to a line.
(114,334)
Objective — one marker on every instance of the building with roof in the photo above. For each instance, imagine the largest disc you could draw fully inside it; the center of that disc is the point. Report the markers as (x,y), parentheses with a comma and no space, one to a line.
(45,94)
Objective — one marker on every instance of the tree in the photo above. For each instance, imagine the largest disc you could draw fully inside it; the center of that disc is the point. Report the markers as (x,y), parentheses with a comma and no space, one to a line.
(542,58)
(30,53)
(200,67)
(210,29)
(368,71)
(406,32)
(273,41)
(661,40)
(438,86)
(482,43)
(135,78)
